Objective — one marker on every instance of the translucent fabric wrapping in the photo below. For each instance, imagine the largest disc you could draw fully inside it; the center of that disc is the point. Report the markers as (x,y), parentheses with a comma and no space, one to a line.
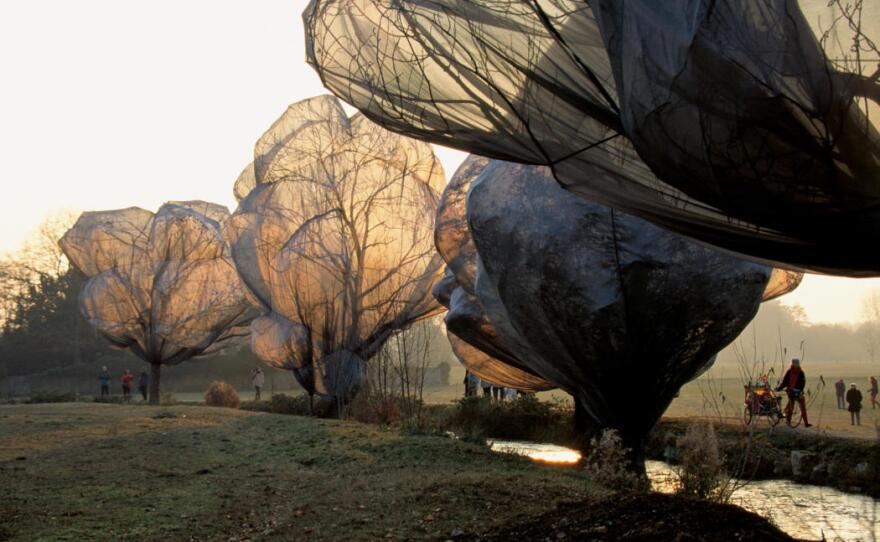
(473,337)
(333,236)
(782,281)
(616,311)
(471,333)
(720,120)
(163,285)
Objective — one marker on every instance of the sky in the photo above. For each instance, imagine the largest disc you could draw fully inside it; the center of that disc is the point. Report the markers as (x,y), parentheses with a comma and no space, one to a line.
(107,104)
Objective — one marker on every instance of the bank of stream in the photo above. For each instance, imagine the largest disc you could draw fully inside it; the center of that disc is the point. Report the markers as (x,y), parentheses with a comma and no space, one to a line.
(803,511)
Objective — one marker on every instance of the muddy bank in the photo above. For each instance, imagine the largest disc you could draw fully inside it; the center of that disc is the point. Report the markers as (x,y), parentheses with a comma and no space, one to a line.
(642,517)
(847,464)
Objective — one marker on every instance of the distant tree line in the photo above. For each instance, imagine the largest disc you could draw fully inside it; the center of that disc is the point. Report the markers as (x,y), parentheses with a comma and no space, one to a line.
(783,331)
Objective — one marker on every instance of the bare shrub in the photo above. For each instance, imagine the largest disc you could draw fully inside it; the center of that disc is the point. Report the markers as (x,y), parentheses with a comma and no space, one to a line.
(396,377)
(701,471)
(297,405)
(221,394)
(608,463)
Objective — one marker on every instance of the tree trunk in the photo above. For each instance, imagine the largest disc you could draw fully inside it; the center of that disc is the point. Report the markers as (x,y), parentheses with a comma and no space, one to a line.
(634,444)
(155,372)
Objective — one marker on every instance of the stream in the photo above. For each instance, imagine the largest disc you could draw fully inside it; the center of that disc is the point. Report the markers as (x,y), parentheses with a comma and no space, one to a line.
(802,511)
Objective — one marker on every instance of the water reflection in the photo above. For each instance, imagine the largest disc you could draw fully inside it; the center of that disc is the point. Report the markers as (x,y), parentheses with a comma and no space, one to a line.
(547,453)
(803,511)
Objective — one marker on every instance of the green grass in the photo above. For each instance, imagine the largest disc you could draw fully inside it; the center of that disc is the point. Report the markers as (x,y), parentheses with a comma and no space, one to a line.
(109,472)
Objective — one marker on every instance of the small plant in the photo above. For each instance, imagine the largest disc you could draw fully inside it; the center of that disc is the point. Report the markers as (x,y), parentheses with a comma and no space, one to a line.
(372,408)
(608,463)
(167,398)
(526,418)
(297,405)
(52,397)
(221,394)
(701,471)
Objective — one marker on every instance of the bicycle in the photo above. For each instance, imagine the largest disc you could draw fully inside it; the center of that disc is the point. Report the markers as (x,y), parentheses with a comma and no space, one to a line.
(794,397)
(761,401)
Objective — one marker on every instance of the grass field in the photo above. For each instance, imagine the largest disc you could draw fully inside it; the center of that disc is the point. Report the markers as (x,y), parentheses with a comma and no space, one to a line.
(719,394)
(83,471)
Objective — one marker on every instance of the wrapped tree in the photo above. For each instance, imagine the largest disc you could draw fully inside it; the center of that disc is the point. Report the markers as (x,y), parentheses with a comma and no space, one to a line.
(333,235)
(470,330)
(162,285)
(728,121)
(606,306)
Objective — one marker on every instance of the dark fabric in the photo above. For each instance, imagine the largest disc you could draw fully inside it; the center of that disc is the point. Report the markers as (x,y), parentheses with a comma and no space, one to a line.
(591,299)
(734,127)
(854,400)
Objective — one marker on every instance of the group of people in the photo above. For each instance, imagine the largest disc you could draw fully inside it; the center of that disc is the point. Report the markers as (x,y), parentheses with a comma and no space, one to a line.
(853,398)
(127,379)
(473,384)
(794,383)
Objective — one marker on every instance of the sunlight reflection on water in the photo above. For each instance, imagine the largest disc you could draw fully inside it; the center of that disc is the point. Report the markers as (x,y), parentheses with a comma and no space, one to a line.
(547,453)
(802,511)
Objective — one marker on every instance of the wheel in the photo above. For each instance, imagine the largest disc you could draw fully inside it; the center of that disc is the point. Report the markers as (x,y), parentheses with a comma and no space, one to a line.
(797,414)
(774,416)
(747,415)
(796,417)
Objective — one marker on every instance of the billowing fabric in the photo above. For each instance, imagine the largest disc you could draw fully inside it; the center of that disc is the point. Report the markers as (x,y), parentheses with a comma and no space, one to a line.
(782,281)
(616,311)
(333,236)
(471,332)
(163,285)
(720,120)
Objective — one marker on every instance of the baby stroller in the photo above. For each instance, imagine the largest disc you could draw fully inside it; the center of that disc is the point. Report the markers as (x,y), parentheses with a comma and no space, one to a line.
(761,401)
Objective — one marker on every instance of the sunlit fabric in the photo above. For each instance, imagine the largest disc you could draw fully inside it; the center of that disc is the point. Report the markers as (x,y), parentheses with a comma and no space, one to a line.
(720,120)
(612,309)
(162,285)
(781,282)
(469,329)
(333,236)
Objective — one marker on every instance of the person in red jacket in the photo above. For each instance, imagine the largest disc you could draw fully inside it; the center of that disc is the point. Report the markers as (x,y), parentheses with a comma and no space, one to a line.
(793,382)
(127,380)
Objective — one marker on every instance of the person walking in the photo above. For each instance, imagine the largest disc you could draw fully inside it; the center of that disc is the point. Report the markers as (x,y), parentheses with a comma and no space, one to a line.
(793,382)
(840,390)
(104,378)
(487,388)
(498,393)
(472,384)
(143,384)
(257,379)
(127,380)
(854,399)
(873,392)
